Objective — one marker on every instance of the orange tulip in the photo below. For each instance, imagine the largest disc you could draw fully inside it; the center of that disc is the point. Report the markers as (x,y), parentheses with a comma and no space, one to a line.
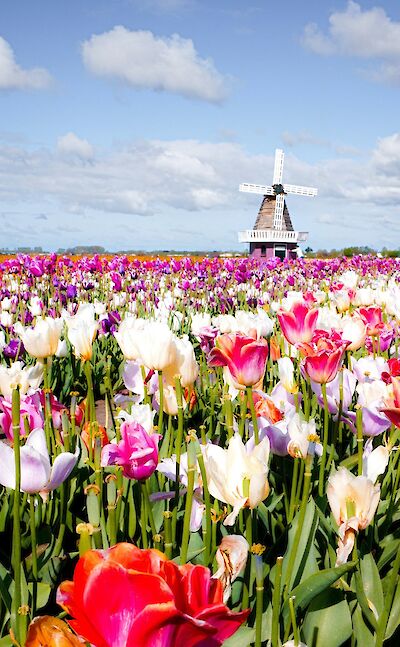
(46,631)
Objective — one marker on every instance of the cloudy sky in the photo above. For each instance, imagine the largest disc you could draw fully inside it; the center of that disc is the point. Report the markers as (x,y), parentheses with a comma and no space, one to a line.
(131,123)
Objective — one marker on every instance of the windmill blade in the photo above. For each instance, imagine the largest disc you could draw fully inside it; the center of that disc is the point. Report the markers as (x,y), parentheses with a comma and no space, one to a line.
(278,214)
(278,166)
(256,188)
(300,190)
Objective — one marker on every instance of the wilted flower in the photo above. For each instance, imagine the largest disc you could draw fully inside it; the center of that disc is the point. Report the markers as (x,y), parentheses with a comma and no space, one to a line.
(45,631)
(231,557)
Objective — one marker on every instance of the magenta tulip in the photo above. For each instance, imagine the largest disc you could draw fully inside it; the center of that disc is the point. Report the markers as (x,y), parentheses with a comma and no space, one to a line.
(137,451)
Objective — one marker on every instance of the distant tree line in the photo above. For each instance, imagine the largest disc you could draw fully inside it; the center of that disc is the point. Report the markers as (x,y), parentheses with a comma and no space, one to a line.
(350,251)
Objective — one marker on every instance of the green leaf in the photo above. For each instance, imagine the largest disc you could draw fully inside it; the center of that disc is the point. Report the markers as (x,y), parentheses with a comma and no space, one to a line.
(328,620)
(243,637)
(5,585)
(364,635)
(43,594)
(315,585)
(6,642)
(372,583)
(305,563)
(394,617)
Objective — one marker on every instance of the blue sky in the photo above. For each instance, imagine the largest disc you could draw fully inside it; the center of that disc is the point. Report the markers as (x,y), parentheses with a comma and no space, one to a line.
(130,123)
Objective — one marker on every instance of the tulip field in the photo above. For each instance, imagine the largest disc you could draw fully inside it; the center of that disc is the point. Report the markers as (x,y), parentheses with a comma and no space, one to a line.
(199,452)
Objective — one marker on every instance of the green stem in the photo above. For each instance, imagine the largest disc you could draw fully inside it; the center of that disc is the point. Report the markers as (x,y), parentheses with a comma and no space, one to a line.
(259,599)
(18,623)
(191,457)
(250,401)
(276,603)
(292,505)
(168,534)
(321,482)
(161,398)
(301,516)
(207,502)
(296,636)
(228,415)
(34,554)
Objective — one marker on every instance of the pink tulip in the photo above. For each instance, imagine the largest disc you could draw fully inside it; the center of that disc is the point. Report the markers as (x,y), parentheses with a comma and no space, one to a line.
(245,357)
(372,317)
(137,451)
(30,410)
(298,324)
(323,359)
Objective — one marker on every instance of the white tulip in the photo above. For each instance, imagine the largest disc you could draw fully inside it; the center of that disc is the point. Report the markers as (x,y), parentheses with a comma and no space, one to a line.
(353,501)
(157,346)
(286,374)
(81,336)
(238,475)
(16,375)
(42,340)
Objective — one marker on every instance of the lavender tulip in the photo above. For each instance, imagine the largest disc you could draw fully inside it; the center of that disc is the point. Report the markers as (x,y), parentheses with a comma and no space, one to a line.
(37,474)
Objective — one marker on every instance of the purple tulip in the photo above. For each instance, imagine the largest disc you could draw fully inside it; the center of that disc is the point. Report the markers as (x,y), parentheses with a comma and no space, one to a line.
(137,451)
(14,347)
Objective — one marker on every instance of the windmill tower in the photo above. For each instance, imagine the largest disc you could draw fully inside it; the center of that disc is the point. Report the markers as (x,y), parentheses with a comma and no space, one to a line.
(273,233)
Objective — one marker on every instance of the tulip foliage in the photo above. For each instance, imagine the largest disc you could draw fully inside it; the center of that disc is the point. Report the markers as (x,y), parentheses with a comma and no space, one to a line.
(199,452)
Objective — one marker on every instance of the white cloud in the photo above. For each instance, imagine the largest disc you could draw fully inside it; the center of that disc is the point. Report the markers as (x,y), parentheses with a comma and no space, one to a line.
(192,184)
(369,34)
(71,144)
(14,77)
(143,60)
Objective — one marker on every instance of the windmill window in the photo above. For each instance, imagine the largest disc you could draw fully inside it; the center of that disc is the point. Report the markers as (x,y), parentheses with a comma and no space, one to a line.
(280,251)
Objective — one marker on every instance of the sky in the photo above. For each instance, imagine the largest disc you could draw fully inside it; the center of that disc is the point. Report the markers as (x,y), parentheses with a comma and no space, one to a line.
(130,123)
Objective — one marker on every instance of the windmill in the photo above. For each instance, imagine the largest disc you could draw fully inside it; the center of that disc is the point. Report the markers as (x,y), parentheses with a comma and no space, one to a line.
(273,233)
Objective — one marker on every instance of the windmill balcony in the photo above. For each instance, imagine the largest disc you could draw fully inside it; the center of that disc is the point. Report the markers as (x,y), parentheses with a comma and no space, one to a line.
(271,236)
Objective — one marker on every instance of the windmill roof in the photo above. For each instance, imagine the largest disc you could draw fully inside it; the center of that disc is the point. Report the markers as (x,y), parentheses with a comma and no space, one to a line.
(265,217)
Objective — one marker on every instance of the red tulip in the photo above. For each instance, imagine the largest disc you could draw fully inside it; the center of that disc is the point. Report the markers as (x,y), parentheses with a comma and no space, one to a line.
(392,411)
(125,596)
(245,357)
(298,324)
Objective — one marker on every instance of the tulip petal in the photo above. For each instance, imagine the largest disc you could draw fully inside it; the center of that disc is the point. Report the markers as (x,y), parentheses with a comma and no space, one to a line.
(62,468)
(35,470)
(128,593)
(37,440)
(7,466)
